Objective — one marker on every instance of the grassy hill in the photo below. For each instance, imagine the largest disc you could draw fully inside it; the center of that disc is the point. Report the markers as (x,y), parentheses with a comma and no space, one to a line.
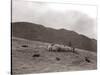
(23,61)
(38,32)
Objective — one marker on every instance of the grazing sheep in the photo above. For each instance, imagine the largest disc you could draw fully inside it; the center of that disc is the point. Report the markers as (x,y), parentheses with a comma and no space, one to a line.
(50,47)
(53,47)
(57,48)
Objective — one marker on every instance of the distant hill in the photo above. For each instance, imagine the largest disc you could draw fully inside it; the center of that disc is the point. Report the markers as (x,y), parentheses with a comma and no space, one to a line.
(38,32)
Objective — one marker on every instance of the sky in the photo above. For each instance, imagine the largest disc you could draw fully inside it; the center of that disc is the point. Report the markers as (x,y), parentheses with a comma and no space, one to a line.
(78,18)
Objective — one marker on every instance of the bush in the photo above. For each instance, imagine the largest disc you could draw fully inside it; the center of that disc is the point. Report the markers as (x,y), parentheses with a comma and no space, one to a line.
(24,45)
(57,58)
(36,55)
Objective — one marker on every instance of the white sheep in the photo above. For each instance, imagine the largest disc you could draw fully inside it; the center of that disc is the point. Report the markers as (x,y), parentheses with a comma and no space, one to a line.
(58,48)
(53,47)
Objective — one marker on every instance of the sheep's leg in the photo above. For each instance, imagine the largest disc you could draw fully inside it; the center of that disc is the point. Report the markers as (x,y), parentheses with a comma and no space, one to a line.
(73,50)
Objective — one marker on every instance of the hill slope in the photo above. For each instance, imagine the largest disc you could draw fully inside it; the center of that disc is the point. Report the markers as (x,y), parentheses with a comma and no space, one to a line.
(23,61)
(33,31)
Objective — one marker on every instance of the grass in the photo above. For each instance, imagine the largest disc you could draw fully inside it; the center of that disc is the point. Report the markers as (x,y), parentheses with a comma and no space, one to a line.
(23,61)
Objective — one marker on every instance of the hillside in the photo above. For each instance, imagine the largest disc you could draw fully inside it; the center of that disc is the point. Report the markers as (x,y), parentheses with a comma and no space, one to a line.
(38,32)
(23,61)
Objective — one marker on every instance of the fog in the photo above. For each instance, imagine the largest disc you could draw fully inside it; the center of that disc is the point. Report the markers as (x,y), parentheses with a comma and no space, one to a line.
(79,18)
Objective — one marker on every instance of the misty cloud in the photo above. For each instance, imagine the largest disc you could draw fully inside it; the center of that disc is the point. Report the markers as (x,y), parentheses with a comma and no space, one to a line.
(43,13)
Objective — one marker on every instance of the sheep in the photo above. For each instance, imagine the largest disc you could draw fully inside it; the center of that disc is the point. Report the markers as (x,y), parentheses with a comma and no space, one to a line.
(50,47)
(54,47)
(57,48)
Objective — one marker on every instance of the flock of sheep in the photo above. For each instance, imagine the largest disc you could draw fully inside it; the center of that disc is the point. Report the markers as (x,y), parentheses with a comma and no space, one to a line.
(63,48)
(59,48)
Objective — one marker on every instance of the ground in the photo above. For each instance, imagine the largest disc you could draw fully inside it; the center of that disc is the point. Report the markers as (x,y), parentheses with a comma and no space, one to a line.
(24,61)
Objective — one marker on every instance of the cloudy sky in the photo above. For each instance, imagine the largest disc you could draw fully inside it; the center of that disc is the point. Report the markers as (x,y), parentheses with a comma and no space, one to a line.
(79,18)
